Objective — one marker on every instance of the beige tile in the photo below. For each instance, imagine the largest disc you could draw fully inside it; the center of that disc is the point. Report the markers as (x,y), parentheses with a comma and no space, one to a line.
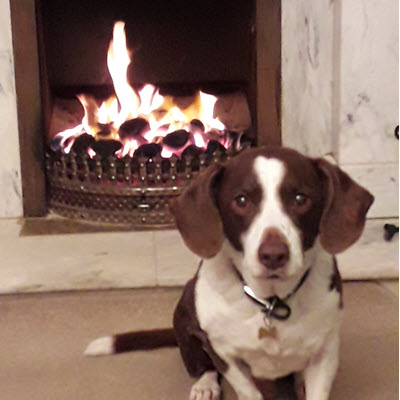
(391,285)
(84,261)
(42,338)
(369,345)
(175,263)
(371,257)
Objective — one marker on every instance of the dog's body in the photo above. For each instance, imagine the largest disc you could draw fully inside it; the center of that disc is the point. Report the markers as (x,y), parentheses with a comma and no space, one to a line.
(268,222)
(229,323)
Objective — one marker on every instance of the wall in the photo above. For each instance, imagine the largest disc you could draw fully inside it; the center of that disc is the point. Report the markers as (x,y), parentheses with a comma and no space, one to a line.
(10,174)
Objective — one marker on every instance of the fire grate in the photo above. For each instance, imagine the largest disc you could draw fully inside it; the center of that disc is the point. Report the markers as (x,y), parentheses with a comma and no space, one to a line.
(132,191)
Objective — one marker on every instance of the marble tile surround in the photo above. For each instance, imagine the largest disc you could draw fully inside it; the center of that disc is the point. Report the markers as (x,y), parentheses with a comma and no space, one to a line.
(307,73)
(10,172)
(369,99)
(382,180)
(369,82)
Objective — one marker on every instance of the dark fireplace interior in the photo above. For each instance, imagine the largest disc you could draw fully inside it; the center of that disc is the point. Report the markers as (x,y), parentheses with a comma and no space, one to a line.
(179,44)
(213,47)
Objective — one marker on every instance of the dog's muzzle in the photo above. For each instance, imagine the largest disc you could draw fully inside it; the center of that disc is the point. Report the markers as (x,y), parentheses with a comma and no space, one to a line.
(273,251)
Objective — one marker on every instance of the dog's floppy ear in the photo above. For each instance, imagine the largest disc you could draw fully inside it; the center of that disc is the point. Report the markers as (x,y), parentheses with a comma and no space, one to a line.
(346,206)
(197,216)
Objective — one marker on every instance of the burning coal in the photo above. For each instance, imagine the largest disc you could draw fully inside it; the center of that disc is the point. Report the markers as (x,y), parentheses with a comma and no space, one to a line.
(143,121)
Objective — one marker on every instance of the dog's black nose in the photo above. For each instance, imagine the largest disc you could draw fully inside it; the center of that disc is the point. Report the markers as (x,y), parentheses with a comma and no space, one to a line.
(273,252)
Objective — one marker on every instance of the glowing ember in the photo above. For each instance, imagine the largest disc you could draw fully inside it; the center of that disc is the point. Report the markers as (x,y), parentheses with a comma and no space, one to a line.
(198,139)
(91,153)
(162,114)
(166,153)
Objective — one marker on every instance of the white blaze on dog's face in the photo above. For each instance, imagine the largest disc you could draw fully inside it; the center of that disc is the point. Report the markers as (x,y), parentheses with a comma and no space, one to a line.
(271,218)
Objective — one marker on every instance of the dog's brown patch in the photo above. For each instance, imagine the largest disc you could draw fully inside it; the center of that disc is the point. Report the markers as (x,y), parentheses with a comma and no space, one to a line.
(194,345)
(197,216)
(346,206)
(302,178)
(282,388)
(238,179)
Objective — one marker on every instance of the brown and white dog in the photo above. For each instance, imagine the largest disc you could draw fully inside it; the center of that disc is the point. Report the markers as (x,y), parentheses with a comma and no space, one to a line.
(266,301)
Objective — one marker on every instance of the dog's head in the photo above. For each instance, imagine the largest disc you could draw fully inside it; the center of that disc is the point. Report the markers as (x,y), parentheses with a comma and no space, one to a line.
(271,204)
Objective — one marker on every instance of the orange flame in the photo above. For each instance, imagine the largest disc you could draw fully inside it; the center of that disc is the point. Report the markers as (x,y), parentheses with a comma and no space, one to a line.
(69,133)
(163,115)
(207,113)
(89,120)
(118,61)
(150,99)
(128,149)
(108,111)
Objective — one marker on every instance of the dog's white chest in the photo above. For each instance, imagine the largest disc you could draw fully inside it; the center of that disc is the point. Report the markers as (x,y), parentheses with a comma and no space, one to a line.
(233,328)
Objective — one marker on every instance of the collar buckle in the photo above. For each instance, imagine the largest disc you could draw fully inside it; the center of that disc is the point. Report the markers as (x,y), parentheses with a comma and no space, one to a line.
(274,306)
(277,309)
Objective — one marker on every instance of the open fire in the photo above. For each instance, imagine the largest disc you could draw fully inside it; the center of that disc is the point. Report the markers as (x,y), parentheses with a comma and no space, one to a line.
(142,122)
(133,152)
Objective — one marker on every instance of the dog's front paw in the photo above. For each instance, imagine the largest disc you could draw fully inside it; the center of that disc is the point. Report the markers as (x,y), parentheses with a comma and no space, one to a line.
(206,388)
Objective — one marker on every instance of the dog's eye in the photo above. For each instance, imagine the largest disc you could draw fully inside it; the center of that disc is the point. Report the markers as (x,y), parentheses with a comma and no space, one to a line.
(241,201)
(301,199)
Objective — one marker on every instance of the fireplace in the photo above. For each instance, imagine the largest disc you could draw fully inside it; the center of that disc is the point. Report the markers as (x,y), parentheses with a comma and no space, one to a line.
(183,52)
(305,42)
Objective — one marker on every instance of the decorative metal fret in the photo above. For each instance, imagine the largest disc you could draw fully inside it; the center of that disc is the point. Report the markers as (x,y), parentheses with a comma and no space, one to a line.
(132,191)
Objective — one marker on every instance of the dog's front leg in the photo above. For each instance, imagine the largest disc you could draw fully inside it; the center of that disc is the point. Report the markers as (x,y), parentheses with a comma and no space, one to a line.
(239,377)
(321,370)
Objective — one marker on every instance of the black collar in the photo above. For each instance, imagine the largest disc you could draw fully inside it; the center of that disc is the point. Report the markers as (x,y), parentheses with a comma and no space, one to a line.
(273,306)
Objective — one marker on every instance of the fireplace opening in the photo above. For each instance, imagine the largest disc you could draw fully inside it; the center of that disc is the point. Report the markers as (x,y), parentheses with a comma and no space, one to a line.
(138,98)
